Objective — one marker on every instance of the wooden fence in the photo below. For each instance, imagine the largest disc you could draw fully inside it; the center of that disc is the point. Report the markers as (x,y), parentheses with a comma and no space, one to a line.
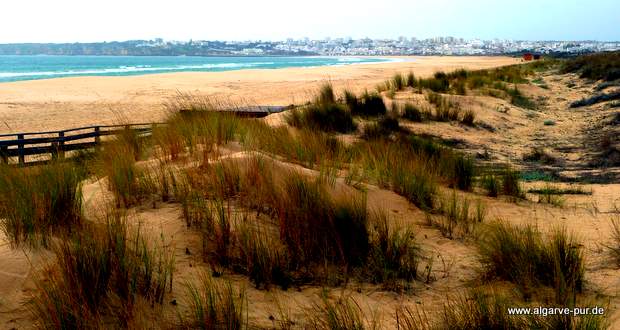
(56,143)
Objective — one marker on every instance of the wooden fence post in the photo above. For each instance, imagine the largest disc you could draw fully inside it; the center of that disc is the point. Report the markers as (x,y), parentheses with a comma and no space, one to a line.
(20,149)
(97,138)
(61,145)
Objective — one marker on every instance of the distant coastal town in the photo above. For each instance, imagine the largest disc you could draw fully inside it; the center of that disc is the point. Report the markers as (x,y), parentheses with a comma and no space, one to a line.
(309,47)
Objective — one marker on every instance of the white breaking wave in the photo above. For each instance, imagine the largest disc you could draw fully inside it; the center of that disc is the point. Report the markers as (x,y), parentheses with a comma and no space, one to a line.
(146,68)
(130,69)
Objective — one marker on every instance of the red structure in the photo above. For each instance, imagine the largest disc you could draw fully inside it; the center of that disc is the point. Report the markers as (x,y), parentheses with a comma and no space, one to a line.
(528,56)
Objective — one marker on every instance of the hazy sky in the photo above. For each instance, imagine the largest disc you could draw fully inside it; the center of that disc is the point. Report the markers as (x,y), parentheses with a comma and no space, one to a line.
(107,20)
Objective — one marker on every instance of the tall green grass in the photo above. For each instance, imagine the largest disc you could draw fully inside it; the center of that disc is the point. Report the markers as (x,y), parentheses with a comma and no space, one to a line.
(98,277)
(128,183)
(36,203)
(522,256)
(394,255)
(614,246)
(367,105)
(344,313)
(384,127)
(445,110)
(457,217)
(214,305)
(481,308)
(491,82)
(412,113)
(263,257)
(604,65)
(324,113)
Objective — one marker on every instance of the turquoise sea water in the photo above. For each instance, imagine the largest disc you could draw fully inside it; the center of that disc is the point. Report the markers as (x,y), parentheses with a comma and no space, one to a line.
(15,68)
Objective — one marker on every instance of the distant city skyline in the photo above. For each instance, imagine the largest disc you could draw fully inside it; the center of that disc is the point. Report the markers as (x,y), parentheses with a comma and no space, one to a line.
(32,21)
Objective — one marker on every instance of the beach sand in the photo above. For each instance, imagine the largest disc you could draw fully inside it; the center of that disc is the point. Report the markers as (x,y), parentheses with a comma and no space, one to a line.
(61,103)
(508,133)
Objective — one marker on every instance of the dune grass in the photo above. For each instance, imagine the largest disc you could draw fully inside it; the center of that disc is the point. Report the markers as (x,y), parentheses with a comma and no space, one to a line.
(324,113)
(491,183)
(214,304)
(263,258)
(343,313)
(522,256)
(98,277)
(484,308)
(604,65)
(412,113)
(128,183)
(456,216)
(445,110)
(36,203)
(316,235)
(614,246)
(394,255)
(366,105)
(399,81)
(384,127)
(494,82)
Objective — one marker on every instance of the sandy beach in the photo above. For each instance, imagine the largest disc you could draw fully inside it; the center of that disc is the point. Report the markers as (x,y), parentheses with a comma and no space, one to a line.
(61,103)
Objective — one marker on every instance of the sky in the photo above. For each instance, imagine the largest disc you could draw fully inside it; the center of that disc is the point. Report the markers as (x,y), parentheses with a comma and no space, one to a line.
(117,20)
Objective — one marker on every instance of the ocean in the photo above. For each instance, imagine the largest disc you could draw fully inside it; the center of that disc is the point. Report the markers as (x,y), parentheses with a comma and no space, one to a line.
(16,68)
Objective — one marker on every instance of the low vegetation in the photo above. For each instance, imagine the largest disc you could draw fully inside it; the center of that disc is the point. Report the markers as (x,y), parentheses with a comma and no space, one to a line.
(37,203)
(343,313)
(599,66)
(288,206)
(520,255)
(499,82)
(487,309)
(319,233)
(596,98)
(614,246)
(214,305)
(100,277)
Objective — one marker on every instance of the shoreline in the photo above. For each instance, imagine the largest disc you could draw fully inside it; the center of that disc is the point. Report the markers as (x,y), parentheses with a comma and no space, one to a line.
(147,69)
(60,103)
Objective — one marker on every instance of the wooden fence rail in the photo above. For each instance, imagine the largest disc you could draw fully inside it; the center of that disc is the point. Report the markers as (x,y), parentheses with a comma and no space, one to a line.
(56,143)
